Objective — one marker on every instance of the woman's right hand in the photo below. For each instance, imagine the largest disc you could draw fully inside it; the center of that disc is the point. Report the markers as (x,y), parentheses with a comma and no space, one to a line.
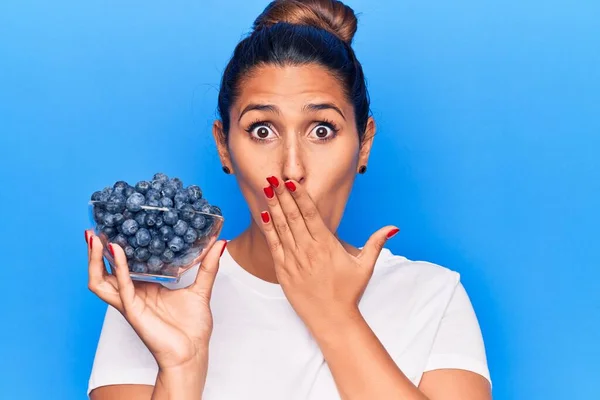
(175,325)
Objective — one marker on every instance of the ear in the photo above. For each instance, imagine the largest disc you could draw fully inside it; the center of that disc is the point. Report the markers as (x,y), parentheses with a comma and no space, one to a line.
(221,142)
(367,142)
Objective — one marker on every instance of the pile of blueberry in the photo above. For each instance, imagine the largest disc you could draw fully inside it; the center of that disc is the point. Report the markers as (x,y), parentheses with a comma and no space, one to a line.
(156,222)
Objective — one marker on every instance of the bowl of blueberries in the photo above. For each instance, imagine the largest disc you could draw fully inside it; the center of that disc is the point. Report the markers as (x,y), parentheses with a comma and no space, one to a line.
(163,226)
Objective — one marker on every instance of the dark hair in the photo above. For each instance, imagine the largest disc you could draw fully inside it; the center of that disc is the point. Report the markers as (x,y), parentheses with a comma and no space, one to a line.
(300,32)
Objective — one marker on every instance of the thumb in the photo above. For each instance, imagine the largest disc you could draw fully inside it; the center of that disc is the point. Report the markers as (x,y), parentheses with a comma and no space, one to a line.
(375,244)
(208,269)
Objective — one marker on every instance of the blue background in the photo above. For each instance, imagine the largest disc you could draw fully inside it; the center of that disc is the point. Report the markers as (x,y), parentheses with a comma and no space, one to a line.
(487,157)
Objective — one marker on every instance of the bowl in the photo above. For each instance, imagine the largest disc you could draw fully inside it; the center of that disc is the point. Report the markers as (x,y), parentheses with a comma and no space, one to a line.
(155,253)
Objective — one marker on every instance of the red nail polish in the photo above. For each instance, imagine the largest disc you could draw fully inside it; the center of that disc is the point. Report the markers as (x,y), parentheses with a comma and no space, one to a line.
(392,232)
(269,192)
(91,241)
(290,185)
(223,249)
(86,238)
(265,217)
(112,251)
(273,181)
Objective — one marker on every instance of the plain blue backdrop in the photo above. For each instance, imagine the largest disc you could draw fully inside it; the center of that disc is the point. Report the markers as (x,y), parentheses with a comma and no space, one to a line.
(487,157)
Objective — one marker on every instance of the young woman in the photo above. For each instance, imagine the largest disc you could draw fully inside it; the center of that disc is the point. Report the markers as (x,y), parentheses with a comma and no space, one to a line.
(294,312)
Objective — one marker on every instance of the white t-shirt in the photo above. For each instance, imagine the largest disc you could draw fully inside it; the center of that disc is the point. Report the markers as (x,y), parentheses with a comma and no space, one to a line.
(260,349)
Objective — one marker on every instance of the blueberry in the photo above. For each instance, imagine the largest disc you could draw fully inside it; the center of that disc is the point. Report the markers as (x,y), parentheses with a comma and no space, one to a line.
(177,183)
(109,219)
(135,202)
(181,196)
(109,231)
(166,233)
(130,227)
(143,237)
(168,190)
(190,235)
(129,190)
(194,193)
(99,215)
(186,247)
(176,244)
(167,256)
(141,254)
(96,196)
(129,251)
(116,203)
(154,233)
(132,241)
(180,204)
(159,222)
(105,194)
(142,187)
(152,195)
(187,212)
(157,246)
(119,187)
(170,217)
(154,264)
(215,210)
(207,208)
(198,221)
(121,240)
(151,220)
(157,185)
(128,214)
(160,177)
(119,219)
(141,217)
(180,227)
(139,267)
(199,204)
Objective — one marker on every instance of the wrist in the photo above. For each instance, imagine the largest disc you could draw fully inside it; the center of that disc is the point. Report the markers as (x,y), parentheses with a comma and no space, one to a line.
(183,381)
(327,323)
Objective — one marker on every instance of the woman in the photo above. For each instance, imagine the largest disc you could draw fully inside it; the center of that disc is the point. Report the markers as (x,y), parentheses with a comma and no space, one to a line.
(295,312)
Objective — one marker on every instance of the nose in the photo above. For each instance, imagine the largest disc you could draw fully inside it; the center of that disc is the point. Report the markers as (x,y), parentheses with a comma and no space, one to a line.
(293,162)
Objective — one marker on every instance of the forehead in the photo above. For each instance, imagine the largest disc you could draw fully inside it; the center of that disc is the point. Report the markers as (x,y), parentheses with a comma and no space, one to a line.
(291,87)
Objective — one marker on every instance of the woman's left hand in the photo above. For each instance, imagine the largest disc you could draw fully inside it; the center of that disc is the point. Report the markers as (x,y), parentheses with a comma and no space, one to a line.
(319,277)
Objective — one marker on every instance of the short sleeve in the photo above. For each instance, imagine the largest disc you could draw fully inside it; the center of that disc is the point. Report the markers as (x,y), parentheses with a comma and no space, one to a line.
(458,343)
(121,356)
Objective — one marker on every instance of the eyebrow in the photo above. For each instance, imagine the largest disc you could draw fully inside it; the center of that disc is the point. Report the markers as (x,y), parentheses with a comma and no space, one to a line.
(274,109)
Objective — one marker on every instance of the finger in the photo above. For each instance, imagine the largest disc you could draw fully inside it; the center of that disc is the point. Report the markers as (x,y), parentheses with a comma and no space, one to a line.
(272,237)
(126,287)
(97,275)
(278,220)
(291,211)
(310,214)
(374,245)
(207,272)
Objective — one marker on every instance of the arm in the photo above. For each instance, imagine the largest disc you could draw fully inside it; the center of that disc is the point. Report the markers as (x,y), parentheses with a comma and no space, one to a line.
(182,383)
(362,368)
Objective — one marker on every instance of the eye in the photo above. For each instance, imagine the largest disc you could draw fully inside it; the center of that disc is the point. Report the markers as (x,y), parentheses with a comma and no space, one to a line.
(260,131)
(326,130)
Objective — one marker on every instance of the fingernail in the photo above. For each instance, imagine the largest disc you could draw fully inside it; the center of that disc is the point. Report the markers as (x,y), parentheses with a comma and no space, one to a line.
(223,249)
(265,217)
(91,242)
(112,251)
(269,192)
(392,232)
(273,181)
(86,237)
(290,185)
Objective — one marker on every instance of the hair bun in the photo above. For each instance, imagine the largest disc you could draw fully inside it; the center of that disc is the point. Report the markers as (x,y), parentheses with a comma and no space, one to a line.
(331,15)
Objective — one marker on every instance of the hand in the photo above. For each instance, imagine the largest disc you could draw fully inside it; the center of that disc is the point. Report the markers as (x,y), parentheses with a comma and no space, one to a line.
(175,325)
(318,276)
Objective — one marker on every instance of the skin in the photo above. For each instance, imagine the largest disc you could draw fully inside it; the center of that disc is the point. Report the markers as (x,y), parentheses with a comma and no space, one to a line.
(322,276)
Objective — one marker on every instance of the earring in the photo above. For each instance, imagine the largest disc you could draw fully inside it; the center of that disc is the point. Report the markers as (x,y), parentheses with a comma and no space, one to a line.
(362,169)
(226,170)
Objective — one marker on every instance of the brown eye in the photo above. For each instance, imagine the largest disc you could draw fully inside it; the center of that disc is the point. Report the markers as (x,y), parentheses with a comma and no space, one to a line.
(321,132)
(262,132)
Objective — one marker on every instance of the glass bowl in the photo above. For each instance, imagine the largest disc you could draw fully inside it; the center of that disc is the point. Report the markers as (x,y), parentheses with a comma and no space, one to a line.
(155,253)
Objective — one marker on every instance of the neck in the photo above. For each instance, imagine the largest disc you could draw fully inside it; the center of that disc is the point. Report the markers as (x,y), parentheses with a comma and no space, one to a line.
(251,251)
